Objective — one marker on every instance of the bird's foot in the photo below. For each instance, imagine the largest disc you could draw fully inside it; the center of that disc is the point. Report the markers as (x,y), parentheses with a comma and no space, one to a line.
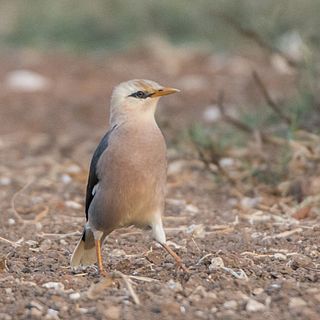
(178,260)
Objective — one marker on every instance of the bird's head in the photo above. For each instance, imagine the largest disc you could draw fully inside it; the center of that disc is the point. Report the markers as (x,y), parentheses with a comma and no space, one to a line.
(136,98)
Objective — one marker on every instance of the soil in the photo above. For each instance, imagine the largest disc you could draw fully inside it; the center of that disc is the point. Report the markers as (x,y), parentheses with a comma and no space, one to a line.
(243,264)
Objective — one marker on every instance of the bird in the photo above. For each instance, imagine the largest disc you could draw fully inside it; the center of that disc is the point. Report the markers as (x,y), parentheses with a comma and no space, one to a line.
(127,177)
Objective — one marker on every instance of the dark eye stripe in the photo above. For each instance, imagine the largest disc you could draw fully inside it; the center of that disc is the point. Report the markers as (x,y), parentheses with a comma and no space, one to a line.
(140,95)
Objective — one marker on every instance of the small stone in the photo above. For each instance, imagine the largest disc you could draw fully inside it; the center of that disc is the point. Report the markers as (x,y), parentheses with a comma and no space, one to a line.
(52,314)
(227,162)
(248,203)
(280,256)
(31,243)
(8,291)
(75,296)
(211,114)
(83,310)
(65,178)
(231,304)
(296,302)
(63,242)
(175,286)
(257,291)
(73,168)
(118,253)
(214,309)
(200,314)
(54,285)
(299,261)
(216,263)
(73,204)
(5,181)
(196,230)
(11,222)
(254,306)
(35,313)
(191,208)
(45,245)
(112,313)
(26,80)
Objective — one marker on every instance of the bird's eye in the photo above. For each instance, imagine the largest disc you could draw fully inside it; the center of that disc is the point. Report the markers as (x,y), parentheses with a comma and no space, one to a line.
(139,95)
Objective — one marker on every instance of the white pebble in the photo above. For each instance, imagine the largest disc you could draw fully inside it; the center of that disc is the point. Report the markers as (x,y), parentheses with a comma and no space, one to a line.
(5,181)
(73,204)
(232,304)
(11,222)
(52,314)
(53,285)
(75,296)
(296,302)
(65,178)
(254,306)
(26,80)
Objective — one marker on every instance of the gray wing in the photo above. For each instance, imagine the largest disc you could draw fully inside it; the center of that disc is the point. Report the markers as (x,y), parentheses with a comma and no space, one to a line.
(93,178)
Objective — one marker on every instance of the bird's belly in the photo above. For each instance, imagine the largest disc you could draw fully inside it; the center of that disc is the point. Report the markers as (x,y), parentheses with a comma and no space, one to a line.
(130,197)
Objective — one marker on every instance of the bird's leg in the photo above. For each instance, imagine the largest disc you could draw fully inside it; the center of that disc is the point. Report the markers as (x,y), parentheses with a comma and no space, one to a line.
(175,257)
(97,241)
(160,237)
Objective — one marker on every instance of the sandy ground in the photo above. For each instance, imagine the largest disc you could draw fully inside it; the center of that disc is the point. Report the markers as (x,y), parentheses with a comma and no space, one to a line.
(243,264)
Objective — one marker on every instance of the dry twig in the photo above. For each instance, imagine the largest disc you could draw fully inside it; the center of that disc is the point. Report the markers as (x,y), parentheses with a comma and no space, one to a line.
(270,102)
(255,37)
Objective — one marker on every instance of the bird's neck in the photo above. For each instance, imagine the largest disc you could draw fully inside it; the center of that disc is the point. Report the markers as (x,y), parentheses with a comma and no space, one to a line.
(136,117)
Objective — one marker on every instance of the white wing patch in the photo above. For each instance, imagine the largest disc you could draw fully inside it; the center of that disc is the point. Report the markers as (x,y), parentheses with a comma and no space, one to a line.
(95,189)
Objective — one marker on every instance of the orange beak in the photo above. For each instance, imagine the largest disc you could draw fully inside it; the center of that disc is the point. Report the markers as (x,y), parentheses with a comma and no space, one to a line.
(164,92)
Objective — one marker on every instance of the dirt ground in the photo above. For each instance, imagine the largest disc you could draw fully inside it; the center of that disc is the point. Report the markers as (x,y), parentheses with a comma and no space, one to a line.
(244,264)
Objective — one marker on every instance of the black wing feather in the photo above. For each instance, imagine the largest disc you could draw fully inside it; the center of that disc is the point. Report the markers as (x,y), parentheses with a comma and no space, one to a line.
(93,178)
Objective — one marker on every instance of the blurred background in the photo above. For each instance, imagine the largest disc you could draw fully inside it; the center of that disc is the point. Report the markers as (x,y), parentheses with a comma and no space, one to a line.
(246,69)
(243,148)
(248,73)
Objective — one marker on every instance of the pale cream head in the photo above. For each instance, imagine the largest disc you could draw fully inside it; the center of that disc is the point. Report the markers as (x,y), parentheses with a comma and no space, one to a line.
(136,99)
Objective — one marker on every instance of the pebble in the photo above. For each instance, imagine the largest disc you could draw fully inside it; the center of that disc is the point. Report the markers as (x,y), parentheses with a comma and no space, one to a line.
(5,181)
(213,309)
(299,261)
(254,306)
(52,314)
(247,202)
(176,286)
(191,208)
(11,222)
(45,245)
(26,80)
(216,263)
(75,296)
(35,313)
(280,256)
(197,230)
(231,304)
(8,291)
(211,114)
(257,291)
(54,285)
(66,178)
(296,302)
(73,205)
